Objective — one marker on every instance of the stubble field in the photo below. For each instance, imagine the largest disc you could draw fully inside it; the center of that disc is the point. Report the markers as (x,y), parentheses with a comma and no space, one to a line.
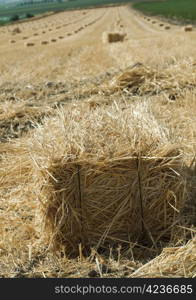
(97,146)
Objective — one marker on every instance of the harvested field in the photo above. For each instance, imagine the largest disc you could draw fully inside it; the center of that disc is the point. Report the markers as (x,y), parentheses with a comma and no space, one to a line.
(97,147)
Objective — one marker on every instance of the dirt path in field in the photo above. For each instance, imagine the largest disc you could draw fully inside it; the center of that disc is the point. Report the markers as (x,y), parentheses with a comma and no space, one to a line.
(69,45)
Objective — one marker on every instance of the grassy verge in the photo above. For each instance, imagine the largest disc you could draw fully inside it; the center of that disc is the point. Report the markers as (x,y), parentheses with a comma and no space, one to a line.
(182,10)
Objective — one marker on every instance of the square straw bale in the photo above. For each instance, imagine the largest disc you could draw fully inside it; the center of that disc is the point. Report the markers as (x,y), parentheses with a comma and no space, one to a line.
(107,176)
(113,37)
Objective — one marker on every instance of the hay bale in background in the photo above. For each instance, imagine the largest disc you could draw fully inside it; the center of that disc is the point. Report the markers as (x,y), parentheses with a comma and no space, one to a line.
(16,30)
(172,262)
(30,44)
(44,42)
(12,41)
(167,27)
(112,177)
(188,28)
(113,37)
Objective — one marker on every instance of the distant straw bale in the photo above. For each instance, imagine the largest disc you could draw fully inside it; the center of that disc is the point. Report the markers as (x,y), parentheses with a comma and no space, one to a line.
(113,37)
(30,44)
(53,40)
(161,24)
(188,28)
(167,27)
(171,263)
(112,177)
(12,41)
(61,37)
(44,42)
(16,30)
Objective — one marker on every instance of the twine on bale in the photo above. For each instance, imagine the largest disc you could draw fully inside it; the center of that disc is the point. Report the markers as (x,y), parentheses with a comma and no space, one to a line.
(140,194)
(79,201)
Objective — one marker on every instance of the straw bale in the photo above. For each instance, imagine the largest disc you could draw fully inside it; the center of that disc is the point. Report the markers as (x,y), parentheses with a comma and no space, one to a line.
(16,30)
(44,42)
(30,44)
(106,176)
(172,262)
(167,27)
(188,28)
(12,41)
(113,37)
